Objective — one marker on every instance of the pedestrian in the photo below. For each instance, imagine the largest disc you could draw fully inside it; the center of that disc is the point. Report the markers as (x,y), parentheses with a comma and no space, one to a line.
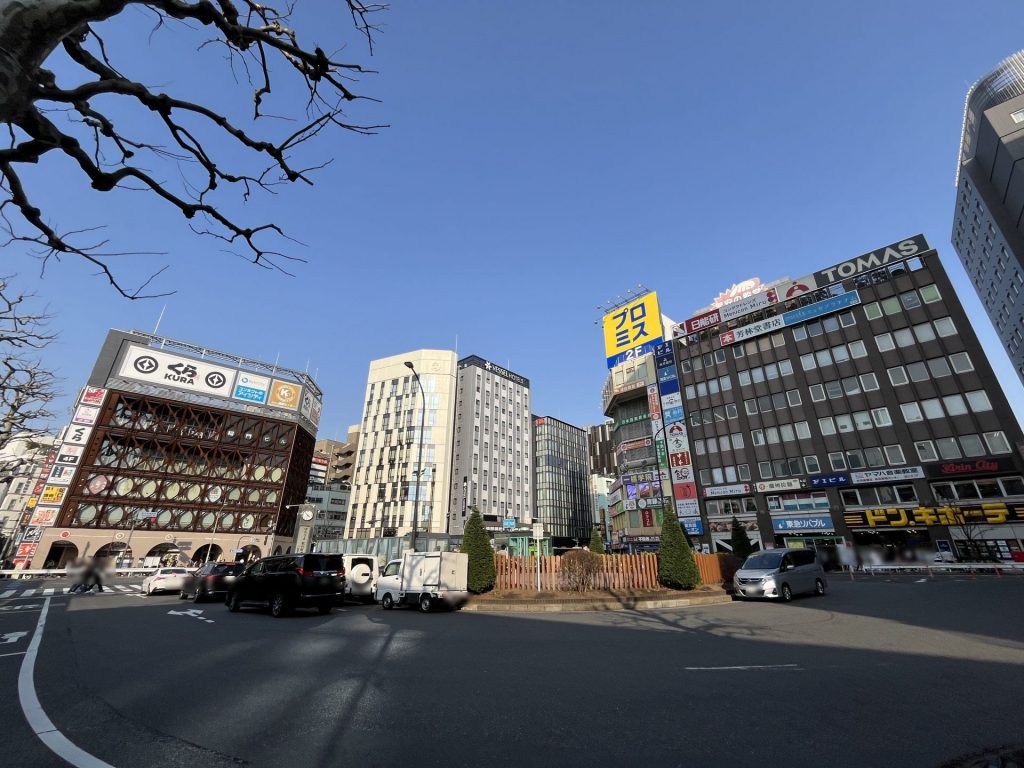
(77,569)
(94,577)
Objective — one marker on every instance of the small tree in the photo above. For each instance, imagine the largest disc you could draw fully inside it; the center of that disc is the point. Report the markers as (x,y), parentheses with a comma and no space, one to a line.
(676,566)
(741,546)
(477,545)
(578,569)
(596,542)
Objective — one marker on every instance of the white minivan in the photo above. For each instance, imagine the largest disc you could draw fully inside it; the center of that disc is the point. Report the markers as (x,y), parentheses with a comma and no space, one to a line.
(780,574)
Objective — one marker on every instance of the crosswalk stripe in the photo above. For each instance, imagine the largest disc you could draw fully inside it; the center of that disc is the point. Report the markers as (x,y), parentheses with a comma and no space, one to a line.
(8,593)
(48,591)
(122,588)
(28,593)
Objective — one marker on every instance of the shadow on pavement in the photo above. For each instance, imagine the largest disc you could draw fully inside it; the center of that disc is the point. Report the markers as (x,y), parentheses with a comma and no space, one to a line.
(698,686)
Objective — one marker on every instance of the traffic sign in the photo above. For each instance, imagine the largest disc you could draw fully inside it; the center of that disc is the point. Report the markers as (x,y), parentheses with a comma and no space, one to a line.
(538,530)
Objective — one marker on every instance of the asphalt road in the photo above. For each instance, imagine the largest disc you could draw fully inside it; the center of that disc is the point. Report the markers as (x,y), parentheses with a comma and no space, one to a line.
(876,673)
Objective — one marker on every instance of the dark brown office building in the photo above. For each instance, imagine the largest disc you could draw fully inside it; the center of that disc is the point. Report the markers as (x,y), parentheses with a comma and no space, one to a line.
(176,449)
(854,405)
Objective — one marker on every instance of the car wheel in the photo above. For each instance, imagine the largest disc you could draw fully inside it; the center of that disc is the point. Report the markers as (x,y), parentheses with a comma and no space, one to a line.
(278,605)
(198,596)
(819,587)
(425,604)
(387,602)
(234,602)
(787,593)
(324,609)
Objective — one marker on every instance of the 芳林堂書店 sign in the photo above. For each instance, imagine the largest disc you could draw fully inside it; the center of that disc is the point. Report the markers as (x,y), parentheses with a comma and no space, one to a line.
(885,475)
(754,329)
(969,467)
(904,249)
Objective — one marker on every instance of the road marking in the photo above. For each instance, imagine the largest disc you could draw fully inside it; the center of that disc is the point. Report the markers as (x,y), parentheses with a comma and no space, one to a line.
(8,593)
(195,613)
(750,666)
(28,593)
(20,607)
(16,653)
(11,637)
(33,710)
(48,591)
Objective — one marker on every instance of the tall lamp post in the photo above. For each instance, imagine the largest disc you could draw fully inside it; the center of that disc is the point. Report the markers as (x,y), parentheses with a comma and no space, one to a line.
(419,459)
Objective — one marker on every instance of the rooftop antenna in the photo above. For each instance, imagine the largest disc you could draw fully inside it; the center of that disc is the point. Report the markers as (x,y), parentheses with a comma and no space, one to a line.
(276,361)
(159,319)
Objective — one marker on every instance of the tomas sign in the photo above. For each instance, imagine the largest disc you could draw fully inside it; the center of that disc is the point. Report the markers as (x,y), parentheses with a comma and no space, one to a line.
(904,249)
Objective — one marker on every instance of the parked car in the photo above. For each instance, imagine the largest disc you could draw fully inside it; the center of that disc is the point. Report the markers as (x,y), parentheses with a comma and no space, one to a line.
(361,572)
(780,574)
(210,582)
(164,580)
(286,582)
(424,579)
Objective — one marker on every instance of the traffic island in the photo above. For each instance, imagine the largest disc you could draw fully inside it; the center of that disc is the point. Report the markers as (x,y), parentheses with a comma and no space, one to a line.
(526,601)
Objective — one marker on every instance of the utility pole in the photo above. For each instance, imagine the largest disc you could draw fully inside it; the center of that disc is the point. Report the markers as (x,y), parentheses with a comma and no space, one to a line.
(419,459)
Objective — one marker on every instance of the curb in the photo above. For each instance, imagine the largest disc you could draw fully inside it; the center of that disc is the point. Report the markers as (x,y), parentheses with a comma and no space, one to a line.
(522,606)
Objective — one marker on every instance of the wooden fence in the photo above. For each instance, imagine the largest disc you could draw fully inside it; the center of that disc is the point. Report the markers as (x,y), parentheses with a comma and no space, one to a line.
(617,572)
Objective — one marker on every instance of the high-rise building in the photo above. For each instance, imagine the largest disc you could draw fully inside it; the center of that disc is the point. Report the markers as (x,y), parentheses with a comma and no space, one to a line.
(178,448)
(602,450)
(492,465)
(22,461)
(334,460)
(562,482)
(387,480)
(854,405)
(988,222)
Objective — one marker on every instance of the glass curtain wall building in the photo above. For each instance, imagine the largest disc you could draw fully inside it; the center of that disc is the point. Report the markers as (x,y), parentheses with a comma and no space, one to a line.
(562,482)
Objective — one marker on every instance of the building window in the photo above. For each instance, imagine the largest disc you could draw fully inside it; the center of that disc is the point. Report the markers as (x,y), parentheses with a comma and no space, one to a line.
(1018,116)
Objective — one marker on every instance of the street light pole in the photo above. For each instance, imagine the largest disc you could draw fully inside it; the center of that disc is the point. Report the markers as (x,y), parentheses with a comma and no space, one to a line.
(209,549)
(419,458)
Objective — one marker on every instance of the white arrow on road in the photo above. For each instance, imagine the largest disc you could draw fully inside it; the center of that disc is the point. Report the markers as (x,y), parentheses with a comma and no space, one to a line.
(20,607)
(11,637)
(195,613)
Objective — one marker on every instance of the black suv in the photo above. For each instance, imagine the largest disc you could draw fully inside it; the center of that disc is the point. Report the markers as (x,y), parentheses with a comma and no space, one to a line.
(285,582)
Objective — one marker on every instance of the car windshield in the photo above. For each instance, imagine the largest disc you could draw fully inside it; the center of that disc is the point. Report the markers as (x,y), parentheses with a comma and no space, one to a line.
(174,570)
(228,568)
(763,561)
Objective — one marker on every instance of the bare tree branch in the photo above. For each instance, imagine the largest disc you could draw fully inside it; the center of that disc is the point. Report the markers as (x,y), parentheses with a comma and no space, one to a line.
(26,388)
(257,35)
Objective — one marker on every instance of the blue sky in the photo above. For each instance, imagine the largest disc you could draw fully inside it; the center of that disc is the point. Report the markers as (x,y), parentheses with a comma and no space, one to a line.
(542,158)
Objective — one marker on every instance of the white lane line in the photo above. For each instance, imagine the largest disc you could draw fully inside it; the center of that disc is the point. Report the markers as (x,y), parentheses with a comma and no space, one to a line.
(8,593)
(750,666)
(38,720)
(18,653)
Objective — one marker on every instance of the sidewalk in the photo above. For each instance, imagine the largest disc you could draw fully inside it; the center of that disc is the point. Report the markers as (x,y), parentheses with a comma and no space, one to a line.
(602,600)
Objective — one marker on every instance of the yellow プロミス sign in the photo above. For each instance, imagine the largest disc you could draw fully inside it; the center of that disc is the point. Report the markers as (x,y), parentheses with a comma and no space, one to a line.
(633,324)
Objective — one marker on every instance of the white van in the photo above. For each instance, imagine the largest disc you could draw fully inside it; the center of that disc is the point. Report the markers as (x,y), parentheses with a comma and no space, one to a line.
(425,579)
(780,574)
(361,572)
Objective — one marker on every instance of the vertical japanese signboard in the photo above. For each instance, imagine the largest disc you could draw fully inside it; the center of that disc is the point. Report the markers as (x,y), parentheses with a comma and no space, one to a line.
(674,449)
